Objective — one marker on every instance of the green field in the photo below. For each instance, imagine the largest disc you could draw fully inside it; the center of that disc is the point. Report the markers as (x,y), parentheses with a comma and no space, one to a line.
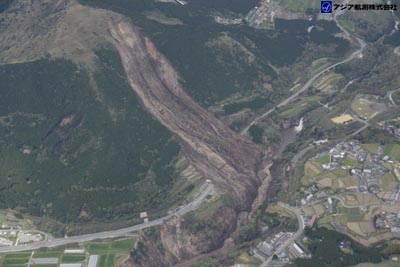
(348,161)
(16,259)
(324,159)
(393,151)
(121,246)
(108,250)
(47,254)
(347,24)
(106,260)
(72,258)
(300,6)
(371,148)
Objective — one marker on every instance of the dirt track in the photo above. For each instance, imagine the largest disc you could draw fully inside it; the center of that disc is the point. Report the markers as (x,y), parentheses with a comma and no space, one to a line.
(222,155)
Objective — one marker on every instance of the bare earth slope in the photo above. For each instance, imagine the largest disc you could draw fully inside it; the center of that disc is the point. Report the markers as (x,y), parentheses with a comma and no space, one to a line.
(219,153)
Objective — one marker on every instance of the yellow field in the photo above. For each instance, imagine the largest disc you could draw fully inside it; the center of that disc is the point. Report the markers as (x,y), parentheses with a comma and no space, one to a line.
(363,229)
(387,181)
(325,182)
(312,169)
(327,82)
(317,209)
(342,119)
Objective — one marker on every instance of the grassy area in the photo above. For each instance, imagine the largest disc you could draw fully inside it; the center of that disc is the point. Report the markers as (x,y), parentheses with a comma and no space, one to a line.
(18,255)
(349,161)
(387,181)
(371,148)
(300,6)
(368,106)
(47,254)
(299,107)
(393,150)
(120,246)
(14,261)
(351,214)
(347,24)
(106,260)
(281,211)
(324,159)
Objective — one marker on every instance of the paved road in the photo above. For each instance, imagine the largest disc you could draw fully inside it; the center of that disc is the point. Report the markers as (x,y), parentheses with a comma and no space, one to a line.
(295,235)
(356,54)
(389,94)
(208,190)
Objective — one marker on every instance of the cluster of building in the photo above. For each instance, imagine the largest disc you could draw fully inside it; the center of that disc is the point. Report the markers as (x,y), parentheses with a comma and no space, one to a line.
(267,248)
(392,129)
(388,220)
(296,251)
(338,153)
(369,166)
(276,245)
(263,14)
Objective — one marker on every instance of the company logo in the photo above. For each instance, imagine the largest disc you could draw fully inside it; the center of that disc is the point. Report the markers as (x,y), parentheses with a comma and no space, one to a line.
(326,7)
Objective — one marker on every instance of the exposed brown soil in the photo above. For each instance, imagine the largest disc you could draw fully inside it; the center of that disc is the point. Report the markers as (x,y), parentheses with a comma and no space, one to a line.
(219,153)
(230,160)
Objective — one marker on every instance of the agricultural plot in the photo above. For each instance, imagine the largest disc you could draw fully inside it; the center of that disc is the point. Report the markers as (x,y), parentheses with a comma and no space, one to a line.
(314,173)
(111,253)
(360,199)
(72,258)
(106,260)
(121,246)
(281,211)
(16,259)
(316,65)
(327,83)
(300,106)
(393,151)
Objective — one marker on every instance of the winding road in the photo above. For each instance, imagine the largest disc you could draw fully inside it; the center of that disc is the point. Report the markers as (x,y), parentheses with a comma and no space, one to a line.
(389,94)
(195,204)
(356,54)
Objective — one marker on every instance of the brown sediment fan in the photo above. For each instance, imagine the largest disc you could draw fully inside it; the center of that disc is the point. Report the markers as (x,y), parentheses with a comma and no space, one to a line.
(222,155)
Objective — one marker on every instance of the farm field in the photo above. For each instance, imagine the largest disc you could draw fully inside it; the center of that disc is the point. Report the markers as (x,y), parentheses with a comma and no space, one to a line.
(111,253)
